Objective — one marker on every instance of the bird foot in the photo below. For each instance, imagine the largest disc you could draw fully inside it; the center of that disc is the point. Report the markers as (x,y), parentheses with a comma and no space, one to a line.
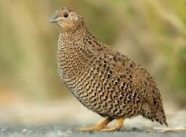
(111,129)
(94,129)
(98,127)
(90,129)
(102,126)
(119,125)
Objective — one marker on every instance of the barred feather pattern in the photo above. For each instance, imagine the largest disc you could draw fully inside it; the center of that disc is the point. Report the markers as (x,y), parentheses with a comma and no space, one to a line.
(105,81)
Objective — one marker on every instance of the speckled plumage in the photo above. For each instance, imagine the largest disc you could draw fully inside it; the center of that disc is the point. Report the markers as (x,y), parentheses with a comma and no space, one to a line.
(103,80)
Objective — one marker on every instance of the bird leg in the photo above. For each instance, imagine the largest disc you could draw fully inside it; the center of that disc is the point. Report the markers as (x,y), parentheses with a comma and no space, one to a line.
(119,124)
(99,127)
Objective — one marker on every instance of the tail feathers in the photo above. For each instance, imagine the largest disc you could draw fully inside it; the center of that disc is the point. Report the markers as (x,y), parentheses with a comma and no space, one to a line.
(161,118)
(157,115)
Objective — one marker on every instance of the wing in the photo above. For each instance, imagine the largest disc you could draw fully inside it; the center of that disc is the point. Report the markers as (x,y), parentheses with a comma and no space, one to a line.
(128,76)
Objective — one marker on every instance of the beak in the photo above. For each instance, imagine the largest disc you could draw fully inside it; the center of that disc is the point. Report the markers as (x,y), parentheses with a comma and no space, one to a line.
(54,18)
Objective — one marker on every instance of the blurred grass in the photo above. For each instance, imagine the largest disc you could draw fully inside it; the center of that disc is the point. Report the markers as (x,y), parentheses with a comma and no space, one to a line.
(151,32)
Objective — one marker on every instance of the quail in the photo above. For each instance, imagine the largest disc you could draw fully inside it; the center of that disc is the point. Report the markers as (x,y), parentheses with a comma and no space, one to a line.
(103,80)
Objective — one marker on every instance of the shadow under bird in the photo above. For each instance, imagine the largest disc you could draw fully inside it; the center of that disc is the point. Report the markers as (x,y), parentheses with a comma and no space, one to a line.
(103,80)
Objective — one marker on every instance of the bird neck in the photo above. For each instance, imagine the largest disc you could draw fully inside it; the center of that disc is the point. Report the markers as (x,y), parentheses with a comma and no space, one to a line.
(77,33)
(73,55)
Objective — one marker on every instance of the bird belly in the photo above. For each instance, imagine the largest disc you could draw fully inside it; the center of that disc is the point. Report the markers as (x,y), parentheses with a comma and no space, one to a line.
(96,90)
(97,94)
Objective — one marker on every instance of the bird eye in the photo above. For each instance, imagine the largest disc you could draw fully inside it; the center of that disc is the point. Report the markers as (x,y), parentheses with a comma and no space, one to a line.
(65,15)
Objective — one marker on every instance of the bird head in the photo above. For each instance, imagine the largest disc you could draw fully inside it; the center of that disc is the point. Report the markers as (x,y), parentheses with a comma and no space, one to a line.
(67,19)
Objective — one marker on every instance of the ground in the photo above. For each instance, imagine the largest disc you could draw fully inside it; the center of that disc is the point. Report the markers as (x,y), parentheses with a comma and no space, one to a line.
(62,119)
(69,130)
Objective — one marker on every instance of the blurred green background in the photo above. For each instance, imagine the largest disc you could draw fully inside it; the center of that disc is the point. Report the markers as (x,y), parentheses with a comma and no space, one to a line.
(152,32)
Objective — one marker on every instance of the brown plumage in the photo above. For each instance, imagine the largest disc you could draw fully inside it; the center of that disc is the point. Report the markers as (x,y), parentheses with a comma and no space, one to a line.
(103,80)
